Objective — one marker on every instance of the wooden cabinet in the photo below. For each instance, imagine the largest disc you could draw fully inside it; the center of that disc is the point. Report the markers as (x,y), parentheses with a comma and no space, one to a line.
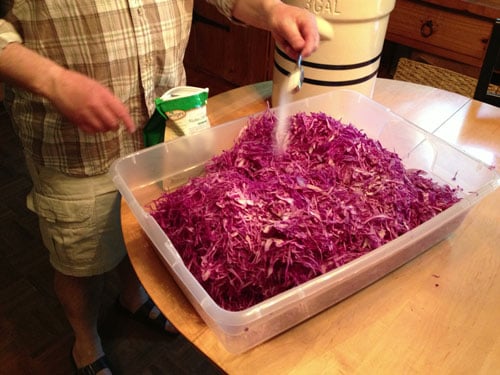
(223,55)
(454,30)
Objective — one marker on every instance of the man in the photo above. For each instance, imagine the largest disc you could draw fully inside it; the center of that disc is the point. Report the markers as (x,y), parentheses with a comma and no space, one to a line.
(81,82)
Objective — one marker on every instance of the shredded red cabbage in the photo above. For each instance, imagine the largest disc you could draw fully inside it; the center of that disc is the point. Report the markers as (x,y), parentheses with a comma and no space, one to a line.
(260,222)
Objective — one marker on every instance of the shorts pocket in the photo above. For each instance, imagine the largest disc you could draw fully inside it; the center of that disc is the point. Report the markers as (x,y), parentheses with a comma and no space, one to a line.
(68,231)
(62,211)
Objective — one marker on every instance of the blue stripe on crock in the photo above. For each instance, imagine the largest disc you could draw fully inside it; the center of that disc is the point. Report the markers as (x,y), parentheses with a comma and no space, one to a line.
(328,83)
(329,66)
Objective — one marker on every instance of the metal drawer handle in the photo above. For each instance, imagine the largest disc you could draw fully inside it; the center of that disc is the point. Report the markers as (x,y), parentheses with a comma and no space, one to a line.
(427,29)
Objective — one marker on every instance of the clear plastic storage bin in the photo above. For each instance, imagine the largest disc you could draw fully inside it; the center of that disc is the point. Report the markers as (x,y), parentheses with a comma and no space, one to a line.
(142,176)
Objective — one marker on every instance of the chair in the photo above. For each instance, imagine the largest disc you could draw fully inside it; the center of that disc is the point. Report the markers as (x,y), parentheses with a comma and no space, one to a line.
(490,71)
(486,88)
(431,75)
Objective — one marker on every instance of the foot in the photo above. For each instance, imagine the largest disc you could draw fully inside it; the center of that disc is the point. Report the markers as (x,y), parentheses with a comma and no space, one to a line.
(99,366)
(149,314)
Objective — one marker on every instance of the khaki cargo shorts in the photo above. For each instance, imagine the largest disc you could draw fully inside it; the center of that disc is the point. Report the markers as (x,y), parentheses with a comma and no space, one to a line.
(79,220)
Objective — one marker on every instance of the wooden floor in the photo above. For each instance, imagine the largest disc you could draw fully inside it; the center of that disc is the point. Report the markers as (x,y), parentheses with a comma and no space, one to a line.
(35,338)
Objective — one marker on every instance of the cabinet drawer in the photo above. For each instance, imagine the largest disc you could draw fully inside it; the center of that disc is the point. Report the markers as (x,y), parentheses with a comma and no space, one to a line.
(441,31)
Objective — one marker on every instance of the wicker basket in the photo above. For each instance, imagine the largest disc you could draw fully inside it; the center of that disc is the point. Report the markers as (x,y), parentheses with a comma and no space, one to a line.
(431,75)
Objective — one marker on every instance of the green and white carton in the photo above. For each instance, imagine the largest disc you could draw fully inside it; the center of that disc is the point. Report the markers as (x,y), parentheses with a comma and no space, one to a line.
(179,111)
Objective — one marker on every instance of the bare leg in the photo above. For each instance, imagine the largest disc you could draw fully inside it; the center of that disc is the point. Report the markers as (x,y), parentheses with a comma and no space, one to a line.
(81,300)
(132,294)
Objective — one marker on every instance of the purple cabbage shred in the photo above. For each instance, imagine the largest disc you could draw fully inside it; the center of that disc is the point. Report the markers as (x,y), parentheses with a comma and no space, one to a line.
(259,222)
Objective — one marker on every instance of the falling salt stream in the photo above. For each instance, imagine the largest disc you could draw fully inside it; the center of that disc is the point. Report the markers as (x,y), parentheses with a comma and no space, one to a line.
(294,84)
(283,125)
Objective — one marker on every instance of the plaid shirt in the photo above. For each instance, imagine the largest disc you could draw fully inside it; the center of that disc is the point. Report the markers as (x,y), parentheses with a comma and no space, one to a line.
(134,47)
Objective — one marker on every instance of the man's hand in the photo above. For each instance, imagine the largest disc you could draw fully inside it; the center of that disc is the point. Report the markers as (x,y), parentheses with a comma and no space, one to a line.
(294,29)
(88,104)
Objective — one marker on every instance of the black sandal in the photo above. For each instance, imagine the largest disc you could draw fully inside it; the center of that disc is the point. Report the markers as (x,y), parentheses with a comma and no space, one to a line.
(143,315)
(96,366)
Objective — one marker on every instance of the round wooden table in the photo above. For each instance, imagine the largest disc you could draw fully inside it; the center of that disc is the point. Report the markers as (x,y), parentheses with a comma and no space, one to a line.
(439,313)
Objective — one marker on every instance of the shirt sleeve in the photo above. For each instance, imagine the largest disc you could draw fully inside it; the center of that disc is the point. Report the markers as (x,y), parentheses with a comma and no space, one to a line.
(226,8)
(8,34)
